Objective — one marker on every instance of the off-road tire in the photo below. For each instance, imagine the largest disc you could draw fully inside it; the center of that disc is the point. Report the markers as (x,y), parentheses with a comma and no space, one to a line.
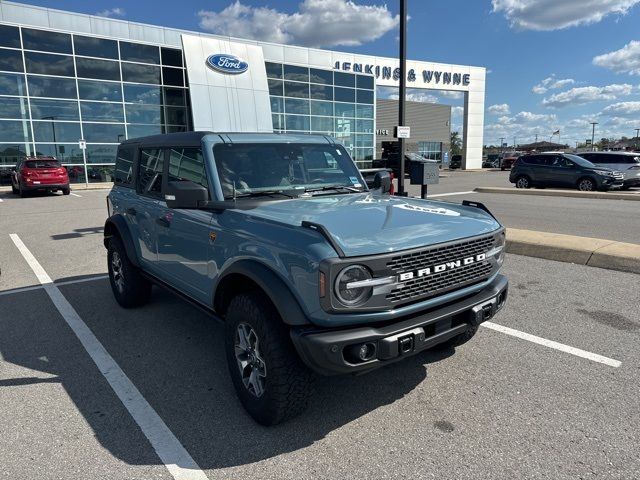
(135,290)
(288,383)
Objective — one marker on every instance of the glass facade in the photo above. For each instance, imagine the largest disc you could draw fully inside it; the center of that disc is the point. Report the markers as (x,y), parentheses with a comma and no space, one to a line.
(57,88)
(430,150)
(311,100)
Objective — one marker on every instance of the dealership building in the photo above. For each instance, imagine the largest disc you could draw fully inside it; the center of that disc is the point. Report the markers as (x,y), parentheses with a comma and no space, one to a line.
(70,80)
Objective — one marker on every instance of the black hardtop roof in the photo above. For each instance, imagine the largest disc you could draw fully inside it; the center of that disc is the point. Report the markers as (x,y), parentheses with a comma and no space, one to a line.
(195,138)
(169,139)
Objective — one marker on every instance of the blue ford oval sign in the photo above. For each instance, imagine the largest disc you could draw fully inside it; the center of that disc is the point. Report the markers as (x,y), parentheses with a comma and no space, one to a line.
(227,63)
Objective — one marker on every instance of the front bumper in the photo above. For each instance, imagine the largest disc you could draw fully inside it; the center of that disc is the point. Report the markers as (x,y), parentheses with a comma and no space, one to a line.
(328,351)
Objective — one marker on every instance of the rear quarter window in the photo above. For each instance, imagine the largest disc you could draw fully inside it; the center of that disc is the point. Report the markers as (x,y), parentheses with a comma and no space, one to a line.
(123,171)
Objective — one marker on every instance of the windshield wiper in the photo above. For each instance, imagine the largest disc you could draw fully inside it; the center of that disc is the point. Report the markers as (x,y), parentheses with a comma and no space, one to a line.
(261,193)
(348,188)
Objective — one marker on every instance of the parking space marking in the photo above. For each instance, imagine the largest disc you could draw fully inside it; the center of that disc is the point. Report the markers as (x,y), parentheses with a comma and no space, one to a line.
(1,200)
(172,453)
(75,194)
(68,282)
(594,357)
(449,194)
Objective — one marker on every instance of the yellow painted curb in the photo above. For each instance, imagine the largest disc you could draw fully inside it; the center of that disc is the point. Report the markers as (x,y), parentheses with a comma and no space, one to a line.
(546,192)
(595,252)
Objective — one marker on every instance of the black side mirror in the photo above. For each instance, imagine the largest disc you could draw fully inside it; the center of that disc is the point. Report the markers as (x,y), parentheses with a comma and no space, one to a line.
(185,194)
(382,181)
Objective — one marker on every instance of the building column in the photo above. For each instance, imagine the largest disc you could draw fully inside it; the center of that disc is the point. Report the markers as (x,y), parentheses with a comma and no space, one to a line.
(473,135)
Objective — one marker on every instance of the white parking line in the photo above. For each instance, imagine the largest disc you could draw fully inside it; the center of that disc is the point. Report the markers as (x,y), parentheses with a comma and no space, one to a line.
(68,282)
(449,194)
(1,200)
(594,357)
(75,194)
(174,456)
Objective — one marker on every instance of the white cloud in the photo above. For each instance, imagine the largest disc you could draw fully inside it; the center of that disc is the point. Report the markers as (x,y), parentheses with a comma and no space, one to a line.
(451,94)
(111,12)
(582,95)
(622,109)
(318,23)
(457,111)
(499,109)
(416,97)
(625,60)
(557,14)
(552,83)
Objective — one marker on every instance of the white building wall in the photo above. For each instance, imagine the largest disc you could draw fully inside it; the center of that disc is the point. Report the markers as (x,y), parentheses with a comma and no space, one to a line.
(227,102)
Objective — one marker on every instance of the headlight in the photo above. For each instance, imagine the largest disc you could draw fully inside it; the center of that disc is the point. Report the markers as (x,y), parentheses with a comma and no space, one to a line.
(498,248)
(347,290)
(604,173)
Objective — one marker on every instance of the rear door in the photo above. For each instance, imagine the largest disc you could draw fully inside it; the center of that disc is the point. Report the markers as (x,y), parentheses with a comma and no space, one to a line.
(149,203)
(186,237)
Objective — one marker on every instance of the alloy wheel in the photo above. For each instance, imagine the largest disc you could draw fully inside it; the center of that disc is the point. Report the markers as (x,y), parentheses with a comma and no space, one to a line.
(522,183)
(585,185)
(253,369)
(116,268)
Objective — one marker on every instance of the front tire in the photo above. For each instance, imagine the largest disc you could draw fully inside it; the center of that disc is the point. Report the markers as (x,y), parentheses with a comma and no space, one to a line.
(270,379)
(523,182)
(586,185)
(129,287)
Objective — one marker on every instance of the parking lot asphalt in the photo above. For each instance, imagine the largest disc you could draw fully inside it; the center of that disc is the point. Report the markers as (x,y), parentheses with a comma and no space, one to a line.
(497,407)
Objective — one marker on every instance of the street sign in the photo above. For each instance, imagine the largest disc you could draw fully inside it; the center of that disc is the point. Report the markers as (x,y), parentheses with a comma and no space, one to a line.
(588,141)
(403,132)
(504,144)
(446,157)
(82,143)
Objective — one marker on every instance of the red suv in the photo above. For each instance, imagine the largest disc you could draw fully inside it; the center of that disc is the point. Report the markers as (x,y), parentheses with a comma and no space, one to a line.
(39,173)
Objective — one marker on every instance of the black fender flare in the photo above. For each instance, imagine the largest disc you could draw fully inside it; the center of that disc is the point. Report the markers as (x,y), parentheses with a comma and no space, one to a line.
(117,225)
(271,284)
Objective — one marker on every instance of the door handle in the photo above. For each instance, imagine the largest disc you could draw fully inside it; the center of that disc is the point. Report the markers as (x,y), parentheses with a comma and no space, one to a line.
(163,222)
(131,211)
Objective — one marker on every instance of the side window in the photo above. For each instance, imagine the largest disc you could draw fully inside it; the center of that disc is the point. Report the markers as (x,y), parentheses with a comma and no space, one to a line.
(123,172)
(545,160)
(532,160)
(150,169)
(187,163)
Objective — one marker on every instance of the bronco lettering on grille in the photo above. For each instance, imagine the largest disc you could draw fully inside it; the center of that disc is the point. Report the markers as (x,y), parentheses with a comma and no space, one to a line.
(424,272)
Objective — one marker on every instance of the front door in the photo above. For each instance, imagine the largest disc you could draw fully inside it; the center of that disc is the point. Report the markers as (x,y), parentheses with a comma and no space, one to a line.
(186,237)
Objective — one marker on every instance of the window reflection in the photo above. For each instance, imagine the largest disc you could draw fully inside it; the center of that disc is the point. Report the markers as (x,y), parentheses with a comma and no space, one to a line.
(135,73)
(95,90)
(11,60)
(101,69)
(54,109)
(95,47)
(48,64)
(45,41)
(52,87)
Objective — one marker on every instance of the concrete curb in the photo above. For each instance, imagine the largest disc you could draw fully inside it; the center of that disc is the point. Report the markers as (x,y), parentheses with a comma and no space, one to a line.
(595,252)
(560,193)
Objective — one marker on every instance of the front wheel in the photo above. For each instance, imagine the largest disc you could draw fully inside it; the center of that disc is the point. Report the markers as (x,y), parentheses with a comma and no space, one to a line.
(586,185)
(129,287)
(271,381)
(523,182)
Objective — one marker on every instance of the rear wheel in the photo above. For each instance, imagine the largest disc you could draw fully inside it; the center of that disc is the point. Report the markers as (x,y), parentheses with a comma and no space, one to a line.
(586,185)
(523,182)
(129,287)
(21,191)
(66,191)
(270,379)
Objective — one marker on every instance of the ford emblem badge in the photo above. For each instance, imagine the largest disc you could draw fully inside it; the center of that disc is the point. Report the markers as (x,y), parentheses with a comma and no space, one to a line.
(227,63)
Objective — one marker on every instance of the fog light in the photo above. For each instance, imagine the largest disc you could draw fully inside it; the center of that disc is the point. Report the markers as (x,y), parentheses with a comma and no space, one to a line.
(362,352)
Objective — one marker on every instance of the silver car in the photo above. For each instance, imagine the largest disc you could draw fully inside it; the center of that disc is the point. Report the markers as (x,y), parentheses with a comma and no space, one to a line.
(628,163)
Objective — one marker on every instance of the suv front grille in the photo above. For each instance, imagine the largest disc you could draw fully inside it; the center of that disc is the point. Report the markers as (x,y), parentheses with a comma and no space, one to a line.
(436,283)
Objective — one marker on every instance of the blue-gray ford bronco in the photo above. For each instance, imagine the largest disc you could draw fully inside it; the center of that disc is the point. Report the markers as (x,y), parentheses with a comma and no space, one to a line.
(311,272)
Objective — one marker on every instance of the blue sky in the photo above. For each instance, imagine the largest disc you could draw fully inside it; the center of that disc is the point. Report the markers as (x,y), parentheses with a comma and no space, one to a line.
(583,48)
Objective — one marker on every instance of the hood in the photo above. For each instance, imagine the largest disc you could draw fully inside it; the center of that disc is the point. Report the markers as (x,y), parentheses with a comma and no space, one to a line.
(366,224)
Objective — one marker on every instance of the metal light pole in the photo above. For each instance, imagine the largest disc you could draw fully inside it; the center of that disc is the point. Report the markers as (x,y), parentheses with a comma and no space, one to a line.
(501,143)
(593,133)
(637,137)
(403,88)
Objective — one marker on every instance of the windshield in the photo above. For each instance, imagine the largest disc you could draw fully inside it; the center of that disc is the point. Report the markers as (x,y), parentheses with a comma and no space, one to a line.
(579,160)
(42,164)
(263,167)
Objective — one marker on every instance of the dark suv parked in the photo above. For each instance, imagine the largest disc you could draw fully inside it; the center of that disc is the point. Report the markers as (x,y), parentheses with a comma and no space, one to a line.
(562,170)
